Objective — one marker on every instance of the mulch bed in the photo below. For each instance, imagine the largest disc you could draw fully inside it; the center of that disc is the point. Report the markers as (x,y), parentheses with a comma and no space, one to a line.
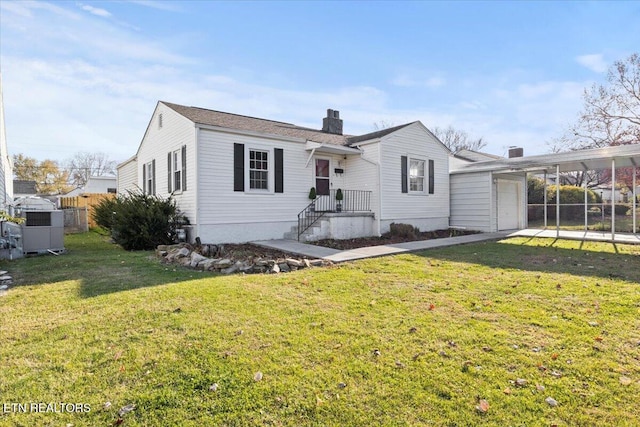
(389,239)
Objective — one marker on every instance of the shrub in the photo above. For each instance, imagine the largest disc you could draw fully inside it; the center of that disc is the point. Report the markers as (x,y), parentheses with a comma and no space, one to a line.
(139,221)
(405,231)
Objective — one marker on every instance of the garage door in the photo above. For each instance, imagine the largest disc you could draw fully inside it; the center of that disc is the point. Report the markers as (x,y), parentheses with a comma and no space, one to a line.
(508,205)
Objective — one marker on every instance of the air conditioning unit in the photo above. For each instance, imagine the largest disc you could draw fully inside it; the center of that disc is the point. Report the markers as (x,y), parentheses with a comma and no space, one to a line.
(42,232)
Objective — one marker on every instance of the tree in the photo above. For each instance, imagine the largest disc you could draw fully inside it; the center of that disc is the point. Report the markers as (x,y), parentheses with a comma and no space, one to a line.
(84,164)
(49,178)
(457,140)
(610,116)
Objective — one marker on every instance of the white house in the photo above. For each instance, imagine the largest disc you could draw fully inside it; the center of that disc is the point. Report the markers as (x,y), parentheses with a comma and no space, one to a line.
(96,185)
(240,178)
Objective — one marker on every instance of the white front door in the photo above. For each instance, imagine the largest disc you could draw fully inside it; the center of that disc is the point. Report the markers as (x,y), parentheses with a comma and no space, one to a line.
(508,205)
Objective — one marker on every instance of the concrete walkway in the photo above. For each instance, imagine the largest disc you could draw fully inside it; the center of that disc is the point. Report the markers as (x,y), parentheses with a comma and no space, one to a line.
(594,236)
(313,251)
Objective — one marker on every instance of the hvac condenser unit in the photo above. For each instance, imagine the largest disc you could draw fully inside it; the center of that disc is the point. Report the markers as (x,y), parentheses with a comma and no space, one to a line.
(43,231)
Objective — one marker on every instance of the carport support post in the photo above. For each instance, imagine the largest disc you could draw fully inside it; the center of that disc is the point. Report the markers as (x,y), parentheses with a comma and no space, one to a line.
(558,201)
(635,196)
(613,200)
(545,199)
(586,203)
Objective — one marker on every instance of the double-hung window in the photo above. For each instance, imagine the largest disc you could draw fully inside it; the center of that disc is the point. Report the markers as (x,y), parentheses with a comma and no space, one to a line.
(258,169)
(416,175)
(149,177)
(177,170)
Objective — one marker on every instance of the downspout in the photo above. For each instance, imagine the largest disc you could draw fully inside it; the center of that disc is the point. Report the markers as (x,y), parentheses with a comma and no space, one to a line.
(197,186)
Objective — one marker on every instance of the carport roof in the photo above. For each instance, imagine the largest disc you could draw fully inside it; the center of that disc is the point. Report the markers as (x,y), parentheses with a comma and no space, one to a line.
(591,159)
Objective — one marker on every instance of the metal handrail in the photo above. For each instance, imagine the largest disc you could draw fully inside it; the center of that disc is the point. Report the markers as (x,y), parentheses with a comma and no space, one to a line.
(352,201)
(307,217)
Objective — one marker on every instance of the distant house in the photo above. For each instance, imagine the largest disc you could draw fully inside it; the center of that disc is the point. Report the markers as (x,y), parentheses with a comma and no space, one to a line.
(96,185)
(240,178)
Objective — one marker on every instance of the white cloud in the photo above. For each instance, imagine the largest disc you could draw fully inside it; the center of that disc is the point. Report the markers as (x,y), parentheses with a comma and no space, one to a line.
(95,10)
(594,62)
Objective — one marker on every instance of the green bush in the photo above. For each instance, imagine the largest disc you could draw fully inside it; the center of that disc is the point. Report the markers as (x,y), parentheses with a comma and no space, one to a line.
(139,221)
(405,231)
(569,194)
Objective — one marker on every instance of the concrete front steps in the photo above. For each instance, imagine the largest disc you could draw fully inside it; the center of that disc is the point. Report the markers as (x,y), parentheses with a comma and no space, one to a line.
(336,225)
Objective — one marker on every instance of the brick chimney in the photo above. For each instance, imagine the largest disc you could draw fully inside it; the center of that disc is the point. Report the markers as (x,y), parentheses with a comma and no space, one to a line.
(515,152)
(332,123)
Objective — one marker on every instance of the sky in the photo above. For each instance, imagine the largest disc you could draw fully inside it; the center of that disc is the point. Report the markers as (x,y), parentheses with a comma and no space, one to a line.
(86,76)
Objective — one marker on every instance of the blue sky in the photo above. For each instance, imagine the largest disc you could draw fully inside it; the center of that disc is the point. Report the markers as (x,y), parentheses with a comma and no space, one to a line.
(86,76)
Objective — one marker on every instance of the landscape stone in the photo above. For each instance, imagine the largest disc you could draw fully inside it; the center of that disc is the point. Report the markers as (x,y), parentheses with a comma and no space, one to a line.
(223,263)
(235,267)
(294,262)
(183,252)
(196,258)
(284,267)
(275,268)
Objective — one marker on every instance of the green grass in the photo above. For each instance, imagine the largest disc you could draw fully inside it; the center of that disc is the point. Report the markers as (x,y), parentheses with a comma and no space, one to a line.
(104,325)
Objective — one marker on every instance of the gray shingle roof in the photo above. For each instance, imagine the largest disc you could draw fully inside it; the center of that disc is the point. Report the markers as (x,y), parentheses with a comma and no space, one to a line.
(234,121)
(377,134)
(21,186)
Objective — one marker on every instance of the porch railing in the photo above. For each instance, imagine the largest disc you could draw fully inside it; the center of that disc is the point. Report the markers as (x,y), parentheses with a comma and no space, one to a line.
(353,201)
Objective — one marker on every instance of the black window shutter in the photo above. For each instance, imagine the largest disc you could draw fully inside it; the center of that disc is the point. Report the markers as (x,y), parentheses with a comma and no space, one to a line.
(279,166)
(184,168)
(144,179)
(238,167)
(403,174)
(153,174)
(431,177)
(169,174)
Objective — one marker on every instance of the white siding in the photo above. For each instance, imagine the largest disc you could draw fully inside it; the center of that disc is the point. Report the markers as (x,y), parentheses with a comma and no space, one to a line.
(232,216)
(363,175)
(127,176)
(426,211)
(175,132)
(471,201)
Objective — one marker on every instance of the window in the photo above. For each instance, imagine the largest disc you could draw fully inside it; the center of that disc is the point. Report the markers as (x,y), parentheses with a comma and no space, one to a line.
(149,177)
(177,170)
(416,175)
(263,169)
(112,190)
(258,170)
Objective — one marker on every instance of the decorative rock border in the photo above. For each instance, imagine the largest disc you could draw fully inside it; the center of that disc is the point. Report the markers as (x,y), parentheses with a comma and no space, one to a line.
(227,262)
(5,282)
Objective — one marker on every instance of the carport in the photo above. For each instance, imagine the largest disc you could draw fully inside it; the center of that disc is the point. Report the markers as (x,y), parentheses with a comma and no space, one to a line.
(612,158)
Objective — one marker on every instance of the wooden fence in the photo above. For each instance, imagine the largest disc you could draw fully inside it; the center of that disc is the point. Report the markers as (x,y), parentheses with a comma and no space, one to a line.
(86,202)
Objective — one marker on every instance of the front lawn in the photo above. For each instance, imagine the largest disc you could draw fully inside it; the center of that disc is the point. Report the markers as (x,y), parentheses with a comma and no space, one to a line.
(414,339)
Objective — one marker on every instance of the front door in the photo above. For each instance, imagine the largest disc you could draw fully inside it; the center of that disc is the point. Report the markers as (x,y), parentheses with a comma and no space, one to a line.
(323,184)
